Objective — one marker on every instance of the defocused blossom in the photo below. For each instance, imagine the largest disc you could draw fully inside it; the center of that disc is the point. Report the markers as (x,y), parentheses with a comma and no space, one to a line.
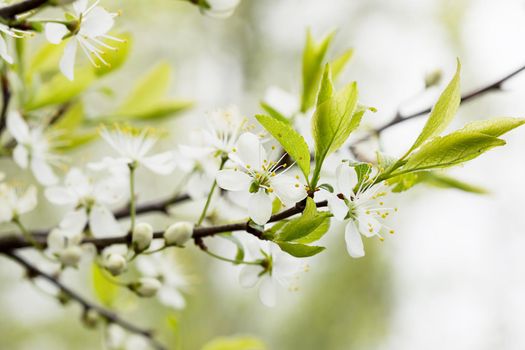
(114,258)
(87,31)
(363,210)
(14,203)
(33,149)
(256,175)
(277,269)
(118,339)
(89,201)
(14,33)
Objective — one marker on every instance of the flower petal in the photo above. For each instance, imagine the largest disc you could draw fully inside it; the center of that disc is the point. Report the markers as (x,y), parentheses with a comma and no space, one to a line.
(60,195)
(337,206)
(3,51)
(260,207)
(288,189)
(102,222)
(67,62)
(97,22)
(346,179)
(17,127)
(162,163)
(268,291)
(233,180)
(55,32)
(43,172)
(354,243)
(249,152)
(249,276)
(171,297)
(368,225)
(28,201)
(80,6)
(21,156)
(74,222)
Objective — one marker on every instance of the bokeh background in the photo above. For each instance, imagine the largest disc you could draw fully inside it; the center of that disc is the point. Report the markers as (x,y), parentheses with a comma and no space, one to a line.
(453,275)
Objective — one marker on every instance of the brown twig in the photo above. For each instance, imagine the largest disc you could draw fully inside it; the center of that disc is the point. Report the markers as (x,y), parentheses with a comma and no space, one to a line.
(6,98)
(108,315)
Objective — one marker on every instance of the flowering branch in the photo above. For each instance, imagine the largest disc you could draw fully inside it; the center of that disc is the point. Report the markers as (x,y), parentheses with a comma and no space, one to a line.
(109,316)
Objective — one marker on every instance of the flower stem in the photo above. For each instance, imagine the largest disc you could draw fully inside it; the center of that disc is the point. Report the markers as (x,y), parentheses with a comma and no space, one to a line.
(231,260)
(27,235)
(132,208)
(208,200)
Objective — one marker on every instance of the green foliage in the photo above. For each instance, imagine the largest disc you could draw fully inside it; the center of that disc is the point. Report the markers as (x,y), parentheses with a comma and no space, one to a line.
(69,129)
(291,141)
(313,56)
(495,126)
(105,291)
(340,62)
(404,182)
(300,250)
(443,112)
(148,100)
(274,113)
(116,58)
(334,119)
(235,343)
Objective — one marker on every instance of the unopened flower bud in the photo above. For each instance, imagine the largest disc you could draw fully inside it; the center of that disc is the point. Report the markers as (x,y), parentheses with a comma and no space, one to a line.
(70,256)
(115,264)
(90,318)
(142,236)
(146,287)
(178,233)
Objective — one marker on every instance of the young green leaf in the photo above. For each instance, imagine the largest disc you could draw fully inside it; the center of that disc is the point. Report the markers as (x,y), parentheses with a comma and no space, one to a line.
(313,56)
(495,126)
(293,143)
(340,62)
(274,113)
(309,227)
(443,111)
(235,343)
(449,150)
(406,181)
(300,250)
(105,291)
(72,118)
(115,58)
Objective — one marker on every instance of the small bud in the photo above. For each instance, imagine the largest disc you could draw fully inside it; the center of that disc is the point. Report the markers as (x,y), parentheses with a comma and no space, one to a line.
(178,233)
(70,256)
(115,264)
(142,236)
(90,318)
(146,287)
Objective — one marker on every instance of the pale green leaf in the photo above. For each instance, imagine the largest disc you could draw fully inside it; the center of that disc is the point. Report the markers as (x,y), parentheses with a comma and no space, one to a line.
(291,141)
(115,58)
(274,113)
(235,343)
(340,63)
(406,181)
(309,227)
(495,126)
(71,119)
(300,250)
(105,291)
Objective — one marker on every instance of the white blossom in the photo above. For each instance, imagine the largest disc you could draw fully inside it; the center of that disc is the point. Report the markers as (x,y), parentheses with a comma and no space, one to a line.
(278,270)
(33,149)
(142,236)
(257,175)
(178,233)
(118,339)
(14,203)
(89,201)
(165,268)
(363,210)
(114,260)
(90,29)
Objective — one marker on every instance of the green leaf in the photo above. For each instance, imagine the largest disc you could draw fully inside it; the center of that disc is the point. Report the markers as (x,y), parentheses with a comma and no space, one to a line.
(313,56)
(274,113)
(149,100)
(443,111)
(44,60)
(293,143)
(235,343)
(362,170)
(340,62)
(309,227)
(300,250)
(449,150)
(115,58)
(406,181)
(334,119)
(71,119)
(105,291)
(60,90)
(495,126)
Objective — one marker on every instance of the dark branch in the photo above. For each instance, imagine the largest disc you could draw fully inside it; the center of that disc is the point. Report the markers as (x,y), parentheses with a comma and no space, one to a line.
(109,316)
(11,11)
(158,206)
(6,98)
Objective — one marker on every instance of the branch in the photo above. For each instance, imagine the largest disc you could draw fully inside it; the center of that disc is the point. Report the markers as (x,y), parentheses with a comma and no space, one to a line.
(11,242)
(111,317)
(6,98)
(157,206)
(11,11)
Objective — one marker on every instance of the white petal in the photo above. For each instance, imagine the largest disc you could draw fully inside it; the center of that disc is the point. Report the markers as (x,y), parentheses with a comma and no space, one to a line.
(6,212)
(284,102)
(60,195)
(55,32)
(21,156)
(268,291)
(354,243)
(249,276)
(97,22)
(233,180)
(17,127)
(102,222)
(162,163)
(260,207)
(67,62)
(74,222)
(368,225)
(249,151)
(80,183)
(171,297)
(3,51)
(346,179)
(80,6)
(43,172)
(28,201)
(337,206)
(288,189)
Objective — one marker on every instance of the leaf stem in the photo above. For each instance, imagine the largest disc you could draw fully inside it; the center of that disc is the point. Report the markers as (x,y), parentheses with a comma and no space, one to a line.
(233,261)
(210,195)
(132,208)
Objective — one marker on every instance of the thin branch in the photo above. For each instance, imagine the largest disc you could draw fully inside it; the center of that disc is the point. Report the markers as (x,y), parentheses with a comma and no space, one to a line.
(6,98)
(157,206)
(13,242)
(110,316)
(11,11)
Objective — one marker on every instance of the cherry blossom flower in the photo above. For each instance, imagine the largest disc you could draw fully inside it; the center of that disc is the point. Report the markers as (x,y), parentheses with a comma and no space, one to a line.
(89,201)
(257,175)
(277,270)
(33,149)
(88,31)
(14,33)
(363,210)
(14,203)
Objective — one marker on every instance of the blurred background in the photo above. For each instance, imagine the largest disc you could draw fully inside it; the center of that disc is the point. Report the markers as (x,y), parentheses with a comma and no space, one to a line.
(453,275)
